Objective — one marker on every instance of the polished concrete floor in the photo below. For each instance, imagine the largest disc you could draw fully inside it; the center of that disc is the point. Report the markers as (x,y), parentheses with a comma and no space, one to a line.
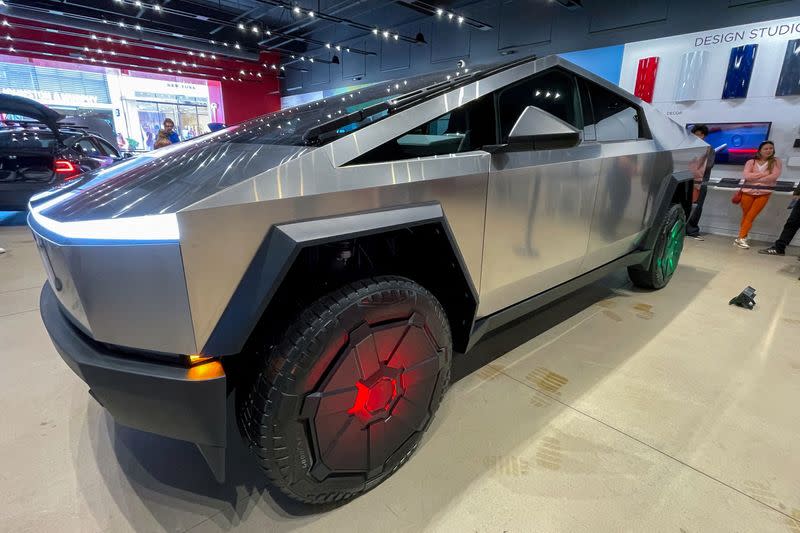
(613,410)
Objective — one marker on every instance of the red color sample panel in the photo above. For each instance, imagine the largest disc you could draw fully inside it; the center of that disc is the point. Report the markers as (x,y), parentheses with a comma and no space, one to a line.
(646,78)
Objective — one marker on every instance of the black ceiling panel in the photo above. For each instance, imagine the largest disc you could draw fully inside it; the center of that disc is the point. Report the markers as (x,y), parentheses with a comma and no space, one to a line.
(394,55)
(354,65)
(449,41)
(294,80)
(320,73)
(523,23)
(616,14)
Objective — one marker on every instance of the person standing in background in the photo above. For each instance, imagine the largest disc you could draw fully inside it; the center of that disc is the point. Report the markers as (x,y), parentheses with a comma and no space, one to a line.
(169,129)
(693,224)
(789,229)
(762,172)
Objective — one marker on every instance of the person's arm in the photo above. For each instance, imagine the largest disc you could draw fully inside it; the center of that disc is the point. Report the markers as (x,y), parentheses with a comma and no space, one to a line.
(772,177)
(750,172)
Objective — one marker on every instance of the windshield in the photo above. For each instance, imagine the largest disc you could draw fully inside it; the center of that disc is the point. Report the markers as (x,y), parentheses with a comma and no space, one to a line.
(287,127)
(174,177)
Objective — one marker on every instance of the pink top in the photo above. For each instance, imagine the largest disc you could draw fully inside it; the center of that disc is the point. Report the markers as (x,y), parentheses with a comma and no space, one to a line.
(757,173)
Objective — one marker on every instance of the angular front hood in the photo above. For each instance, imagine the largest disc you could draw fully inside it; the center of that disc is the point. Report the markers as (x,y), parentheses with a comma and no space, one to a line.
(165,181)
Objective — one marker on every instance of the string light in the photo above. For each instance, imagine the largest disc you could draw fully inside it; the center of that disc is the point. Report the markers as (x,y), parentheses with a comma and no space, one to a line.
(297,10)
(241,26)
(311,14)
(156,7)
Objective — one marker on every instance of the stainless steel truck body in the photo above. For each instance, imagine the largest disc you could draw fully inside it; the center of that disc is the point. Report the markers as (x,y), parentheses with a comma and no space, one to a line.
(323,263)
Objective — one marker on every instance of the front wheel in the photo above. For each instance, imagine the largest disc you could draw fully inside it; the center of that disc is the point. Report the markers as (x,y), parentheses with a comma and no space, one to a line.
(666,253)
(343,400)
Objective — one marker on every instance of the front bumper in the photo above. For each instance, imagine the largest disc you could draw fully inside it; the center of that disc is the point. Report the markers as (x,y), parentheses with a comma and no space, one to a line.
(156,397)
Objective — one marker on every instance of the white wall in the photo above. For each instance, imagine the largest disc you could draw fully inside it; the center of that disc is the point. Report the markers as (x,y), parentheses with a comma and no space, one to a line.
(761,105)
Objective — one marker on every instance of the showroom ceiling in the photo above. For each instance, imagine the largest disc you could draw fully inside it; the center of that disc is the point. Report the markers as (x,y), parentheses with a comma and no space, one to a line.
(293,32)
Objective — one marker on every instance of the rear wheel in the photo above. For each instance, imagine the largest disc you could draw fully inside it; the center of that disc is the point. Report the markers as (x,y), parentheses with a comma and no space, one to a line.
(666,253)
(343,400)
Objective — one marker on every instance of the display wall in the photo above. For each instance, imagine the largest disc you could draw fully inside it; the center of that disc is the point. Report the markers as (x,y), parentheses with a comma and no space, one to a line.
(740,74)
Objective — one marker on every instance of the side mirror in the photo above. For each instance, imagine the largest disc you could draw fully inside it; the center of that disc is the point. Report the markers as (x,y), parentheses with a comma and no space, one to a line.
(537,129)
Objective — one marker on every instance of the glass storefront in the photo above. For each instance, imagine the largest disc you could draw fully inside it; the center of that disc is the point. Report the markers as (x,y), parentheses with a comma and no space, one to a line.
(82,96)
(147,102)
(125,107)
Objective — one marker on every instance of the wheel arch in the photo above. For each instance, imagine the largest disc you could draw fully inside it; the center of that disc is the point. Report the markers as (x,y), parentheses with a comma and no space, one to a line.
(675,189)
(283,269)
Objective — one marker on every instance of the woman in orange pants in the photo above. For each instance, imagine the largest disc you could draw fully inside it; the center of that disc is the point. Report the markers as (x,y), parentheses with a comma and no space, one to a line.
(761,171)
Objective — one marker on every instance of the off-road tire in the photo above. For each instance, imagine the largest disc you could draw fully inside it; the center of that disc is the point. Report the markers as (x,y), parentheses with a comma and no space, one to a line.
(666,252)
(274,413)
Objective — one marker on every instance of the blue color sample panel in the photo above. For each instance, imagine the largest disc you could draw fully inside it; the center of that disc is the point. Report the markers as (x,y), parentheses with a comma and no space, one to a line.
(740,70)
(789,82)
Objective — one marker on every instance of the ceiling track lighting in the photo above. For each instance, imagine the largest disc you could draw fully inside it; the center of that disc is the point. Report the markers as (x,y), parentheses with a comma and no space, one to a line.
(139,4)
(109,39)
(441,13)
(117,64)
(122,25)
(101,51)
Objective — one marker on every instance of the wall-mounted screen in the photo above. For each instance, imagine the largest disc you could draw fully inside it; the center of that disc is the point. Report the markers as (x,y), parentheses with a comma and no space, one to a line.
(735,142)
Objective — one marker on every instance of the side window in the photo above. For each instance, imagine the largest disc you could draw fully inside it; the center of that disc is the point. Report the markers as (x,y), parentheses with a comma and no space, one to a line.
(87,148)
(463,129)
(614,117)
(553,91)
(106,148)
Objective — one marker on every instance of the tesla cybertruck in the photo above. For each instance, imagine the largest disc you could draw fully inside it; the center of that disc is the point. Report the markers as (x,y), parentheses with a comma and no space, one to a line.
(320,266)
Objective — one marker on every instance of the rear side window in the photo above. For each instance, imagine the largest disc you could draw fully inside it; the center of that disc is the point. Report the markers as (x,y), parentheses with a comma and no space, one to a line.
(553,91)
(613,117)
(106,148)
(464,129)
(87,147)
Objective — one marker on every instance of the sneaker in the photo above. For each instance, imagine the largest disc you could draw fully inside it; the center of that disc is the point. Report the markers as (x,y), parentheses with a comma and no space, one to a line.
(741,243)
(696,237)
(771,251)
(2,250)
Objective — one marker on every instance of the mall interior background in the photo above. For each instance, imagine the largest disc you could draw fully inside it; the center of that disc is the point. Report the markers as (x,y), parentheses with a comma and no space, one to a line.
(609,38)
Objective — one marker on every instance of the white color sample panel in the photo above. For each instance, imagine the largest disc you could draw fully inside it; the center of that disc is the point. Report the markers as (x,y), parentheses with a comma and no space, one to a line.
(691,75)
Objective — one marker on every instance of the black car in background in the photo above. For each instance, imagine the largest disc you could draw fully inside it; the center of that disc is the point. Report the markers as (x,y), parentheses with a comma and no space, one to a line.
(42,153)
